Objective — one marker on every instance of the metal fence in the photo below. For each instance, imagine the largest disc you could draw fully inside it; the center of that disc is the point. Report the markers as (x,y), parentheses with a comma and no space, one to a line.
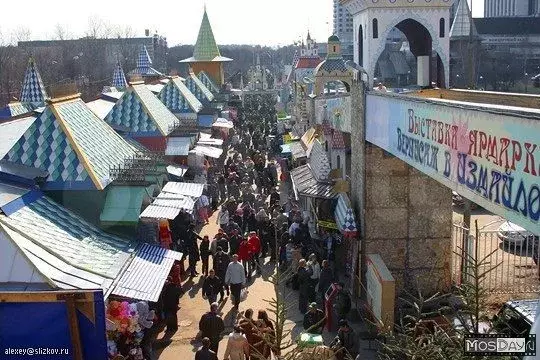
(514,263)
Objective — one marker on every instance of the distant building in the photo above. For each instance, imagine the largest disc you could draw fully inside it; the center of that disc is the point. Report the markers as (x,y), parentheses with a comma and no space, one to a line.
(343,23)
(503,8)
(107,49)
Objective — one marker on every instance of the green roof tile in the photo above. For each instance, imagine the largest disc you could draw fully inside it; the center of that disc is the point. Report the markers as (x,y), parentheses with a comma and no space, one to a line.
(206,47)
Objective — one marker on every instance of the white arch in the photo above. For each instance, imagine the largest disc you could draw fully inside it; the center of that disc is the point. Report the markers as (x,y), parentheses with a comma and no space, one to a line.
(435,43)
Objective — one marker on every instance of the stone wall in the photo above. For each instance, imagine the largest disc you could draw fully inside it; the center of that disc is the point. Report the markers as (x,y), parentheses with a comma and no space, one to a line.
(408,219)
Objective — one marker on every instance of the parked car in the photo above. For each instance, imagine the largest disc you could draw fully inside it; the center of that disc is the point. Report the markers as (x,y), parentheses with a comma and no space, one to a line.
(516,317)
(517,236)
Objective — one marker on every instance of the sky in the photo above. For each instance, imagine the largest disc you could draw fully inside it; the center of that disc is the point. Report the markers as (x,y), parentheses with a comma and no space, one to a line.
(263,22)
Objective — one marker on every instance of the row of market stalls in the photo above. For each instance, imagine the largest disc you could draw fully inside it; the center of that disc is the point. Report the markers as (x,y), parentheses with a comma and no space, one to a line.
(320,188)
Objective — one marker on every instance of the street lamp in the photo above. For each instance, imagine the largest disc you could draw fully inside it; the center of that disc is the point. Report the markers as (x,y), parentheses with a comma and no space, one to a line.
(482,78)
(526,82)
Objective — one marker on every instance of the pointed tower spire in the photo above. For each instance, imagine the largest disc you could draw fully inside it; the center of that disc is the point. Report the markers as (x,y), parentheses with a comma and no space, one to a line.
(144,60)
(119,78)
(206,47)
(33,90)
(463,25)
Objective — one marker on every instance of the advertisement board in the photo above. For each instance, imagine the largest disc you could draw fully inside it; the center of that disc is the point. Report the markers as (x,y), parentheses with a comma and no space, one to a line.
(488,157)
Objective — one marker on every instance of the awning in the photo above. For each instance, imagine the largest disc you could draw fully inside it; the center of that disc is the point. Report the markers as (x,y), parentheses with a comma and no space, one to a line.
(189,189)
(209,151)
(123,204)
(146,273)
(207,139)
(179,171)
(305,184)
(223,123)
(160,212)
(345,217)
(297,150)
(286,149)
(308,139)
(178,146)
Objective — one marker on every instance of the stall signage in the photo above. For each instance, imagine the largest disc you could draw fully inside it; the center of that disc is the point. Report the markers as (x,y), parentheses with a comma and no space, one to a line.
(328,224)
(490,158)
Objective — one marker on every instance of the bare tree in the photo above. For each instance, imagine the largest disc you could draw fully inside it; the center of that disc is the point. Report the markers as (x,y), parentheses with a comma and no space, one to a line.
(98,28)
(61,32)
(123,31)
(21,33)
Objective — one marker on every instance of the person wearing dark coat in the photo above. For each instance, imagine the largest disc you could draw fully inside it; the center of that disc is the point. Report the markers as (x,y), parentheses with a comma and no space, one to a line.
(274,198)
(234,242)
(212,286)
(221,261)
(251,222)
(325,279)
(190,245)
(304,281)
(204,353)
(223,243)
(204,250)
(211,326)
(314,320)
(170,297)
(344,344)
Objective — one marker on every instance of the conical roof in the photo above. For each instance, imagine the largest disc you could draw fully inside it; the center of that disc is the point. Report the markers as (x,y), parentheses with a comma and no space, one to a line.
(461,27)
(33,90)
(144,60)
(119,78)
(206,47)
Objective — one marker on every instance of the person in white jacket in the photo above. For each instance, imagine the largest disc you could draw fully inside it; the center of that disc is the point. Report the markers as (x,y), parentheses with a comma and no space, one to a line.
(237,346)
(223,217)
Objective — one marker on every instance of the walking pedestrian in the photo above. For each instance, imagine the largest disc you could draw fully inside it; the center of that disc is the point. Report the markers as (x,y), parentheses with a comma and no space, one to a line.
(235,277)
(255,246)
(237,346)
(244,255)
(212,286)
(211,326)
(171,299)
(223,217)
(204,250)
(314,319)
(304,286)
(204,353)
(220,264)
(325,279)
(315,268)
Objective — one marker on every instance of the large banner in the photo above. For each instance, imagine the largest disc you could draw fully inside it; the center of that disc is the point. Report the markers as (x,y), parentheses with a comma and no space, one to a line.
(489,158)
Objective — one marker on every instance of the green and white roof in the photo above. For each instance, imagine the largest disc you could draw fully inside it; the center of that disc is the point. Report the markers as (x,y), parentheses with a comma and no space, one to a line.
(73,145)
(33,90)
(140,112)
(45,243)
(206,48)
(178,99)
(208,82)
(200,91)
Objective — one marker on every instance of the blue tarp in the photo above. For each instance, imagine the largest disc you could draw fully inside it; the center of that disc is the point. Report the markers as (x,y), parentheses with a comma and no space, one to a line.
(206,120)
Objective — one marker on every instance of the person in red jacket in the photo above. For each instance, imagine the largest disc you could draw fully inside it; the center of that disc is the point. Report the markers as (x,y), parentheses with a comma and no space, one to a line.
(244,255)
(255,244)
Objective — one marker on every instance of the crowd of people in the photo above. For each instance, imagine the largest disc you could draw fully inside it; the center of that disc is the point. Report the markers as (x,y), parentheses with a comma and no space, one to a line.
(257,227)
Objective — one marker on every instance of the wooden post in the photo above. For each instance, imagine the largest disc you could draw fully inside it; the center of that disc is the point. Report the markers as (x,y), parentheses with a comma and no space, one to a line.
(74,327)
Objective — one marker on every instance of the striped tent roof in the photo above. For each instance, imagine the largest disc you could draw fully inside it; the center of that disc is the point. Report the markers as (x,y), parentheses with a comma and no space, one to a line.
(73,145)
(33,90)
(201,92)
(208,82)
(119,78)
(178,99)
(140,111)
(144,64)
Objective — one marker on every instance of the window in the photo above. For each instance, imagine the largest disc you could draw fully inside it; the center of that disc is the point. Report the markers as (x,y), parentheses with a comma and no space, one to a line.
(441,27)
(334,48)
(375,29)
(326,146)
(338,162)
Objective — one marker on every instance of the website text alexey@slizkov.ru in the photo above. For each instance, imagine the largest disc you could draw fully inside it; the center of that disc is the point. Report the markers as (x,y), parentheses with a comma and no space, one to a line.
(35,351)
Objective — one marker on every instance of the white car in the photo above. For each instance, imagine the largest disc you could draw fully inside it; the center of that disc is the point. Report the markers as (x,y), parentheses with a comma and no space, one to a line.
(517,236)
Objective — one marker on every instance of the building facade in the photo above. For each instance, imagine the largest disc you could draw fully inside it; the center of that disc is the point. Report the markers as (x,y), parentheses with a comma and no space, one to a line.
(502,8)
